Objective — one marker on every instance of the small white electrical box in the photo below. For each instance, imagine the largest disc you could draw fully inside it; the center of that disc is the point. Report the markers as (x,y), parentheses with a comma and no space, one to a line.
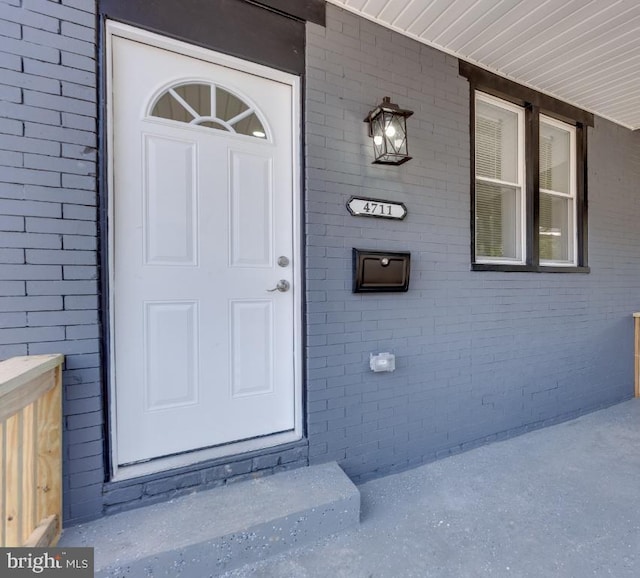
(382,362)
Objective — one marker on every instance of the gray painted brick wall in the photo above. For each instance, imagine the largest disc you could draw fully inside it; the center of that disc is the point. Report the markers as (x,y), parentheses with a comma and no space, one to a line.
(48,264)
(479,355)
(119,496)
(48,249)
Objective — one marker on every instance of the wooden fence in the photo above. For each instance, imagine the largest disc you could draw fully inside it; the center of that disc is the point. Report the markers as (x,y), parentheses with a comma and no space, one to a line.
(31,450)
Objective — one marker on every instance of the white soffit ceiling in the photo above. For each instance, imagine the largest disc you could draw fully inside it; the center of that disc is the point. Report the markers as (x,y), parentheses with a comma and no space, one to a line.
(585,52)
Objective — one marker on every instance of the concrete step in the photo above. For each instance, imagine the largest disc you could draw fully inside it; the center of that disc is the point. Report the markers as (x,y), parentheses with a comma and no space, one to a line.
(209,532)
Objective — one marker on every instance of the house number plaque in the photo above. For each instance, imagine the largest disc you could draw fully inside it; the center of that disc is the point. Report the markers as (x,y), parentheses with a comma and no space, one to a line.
(363,207)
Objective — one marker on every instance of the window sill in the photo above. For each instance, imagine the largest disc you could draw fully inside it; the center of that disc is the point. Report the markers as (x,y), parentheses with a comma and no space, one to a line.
(513,268)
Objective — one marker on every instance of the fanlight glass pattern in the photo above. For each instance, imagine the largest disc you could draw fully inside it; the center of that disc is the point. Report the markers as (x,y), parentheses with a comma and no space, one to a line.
(211,106)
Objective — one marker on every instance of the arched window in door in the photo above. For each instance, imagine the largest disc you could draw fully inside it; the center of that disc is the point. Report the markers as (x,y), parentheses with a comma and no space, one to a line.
(209,105)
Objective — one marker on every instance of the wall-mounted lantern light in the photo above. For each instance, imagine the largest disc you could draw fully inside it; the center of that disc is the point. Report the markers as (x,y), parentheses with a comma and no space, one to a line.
(388,128)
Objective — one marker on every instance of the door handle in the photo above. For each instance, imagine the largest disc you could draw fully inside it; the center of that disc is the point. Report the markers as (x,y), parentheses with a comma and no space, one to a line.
(283,286)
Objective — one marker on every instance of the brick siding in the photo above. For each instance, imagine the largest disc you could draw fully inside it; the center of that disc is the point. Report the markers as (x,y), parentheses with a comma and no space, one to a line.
(479,355)
(48,262)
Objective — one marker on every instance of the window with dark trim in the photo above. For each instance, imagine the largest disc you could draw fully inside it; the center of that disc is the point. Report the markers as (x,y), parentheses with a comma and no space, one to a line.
(528,178)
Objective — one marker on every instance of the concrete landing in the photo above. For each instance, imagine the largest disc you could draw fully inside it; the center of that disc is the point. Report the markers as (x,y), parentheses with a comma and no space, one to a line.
(561,502)
(206,533)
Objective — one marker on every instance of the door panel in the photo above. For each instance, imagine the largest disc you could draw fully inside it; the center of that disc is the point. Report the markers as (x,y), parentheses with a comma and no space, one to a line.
(170,355)
(251,362)
(170,207)
(204,353)
(251,210)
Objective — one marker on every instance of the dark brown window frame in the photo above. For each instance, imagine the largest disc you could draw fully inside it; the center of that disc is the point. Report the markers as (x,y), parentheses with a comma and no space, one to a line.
(534,103)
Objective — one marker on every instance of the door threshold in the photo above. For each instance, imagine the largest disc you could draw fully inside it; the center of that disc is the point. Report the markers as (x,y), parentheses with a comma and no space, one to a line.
(156,465)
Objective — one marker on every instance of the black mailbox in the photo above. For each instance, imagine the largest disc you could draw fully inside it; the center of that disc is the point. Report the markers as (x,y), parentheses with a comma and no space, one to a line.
(380,271)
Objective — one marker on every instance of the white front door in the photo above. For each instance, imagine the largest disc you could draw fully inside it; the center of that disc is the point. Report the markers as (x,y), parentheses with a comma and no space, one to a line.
(202,229)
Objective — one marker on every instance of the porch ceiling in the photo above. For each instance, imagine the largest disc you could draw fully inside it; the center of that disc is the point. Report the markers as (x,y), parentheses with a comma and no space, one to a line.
(585,52)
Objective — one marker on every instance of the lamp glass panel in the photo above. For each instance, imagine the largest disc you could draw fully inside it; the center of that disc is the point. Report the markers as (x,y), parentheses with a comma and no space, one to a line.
(379,140)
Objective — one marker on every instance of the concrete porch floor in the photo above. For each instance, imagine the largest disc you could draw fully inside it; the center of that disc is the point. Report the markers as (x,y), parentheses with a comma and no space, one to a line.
(558,502)
(563,501)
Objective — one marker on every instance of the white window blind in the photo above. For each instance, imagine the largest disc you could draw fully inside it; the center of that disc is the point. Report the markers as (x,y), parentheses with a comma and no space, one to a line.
(557,193)
(499,175)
